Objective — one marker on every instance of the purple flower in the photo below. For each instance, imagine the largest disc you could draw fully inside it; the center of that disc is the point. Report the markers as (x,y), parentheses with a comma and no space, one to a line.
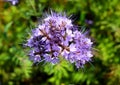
(13,2)
(58,37)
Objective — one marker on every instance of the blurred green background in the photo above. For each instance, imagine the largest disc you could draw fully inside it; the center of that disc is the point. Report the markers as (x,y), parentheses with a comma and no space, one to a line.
(100,17)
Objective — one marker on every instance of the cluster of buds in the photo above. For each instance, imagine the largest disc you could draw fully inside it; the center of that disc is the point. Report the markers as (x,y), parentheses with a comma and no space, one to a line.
(57,37)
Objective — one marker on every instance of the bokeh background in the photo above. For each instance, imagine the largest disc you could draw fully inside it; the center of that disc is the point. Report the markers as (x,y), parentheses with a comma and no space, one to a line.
(101,18)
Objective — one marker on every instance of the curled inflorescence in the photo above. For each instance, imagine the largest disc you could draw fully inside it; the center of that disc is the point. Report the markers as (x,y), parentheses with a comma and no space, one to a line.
(57,37)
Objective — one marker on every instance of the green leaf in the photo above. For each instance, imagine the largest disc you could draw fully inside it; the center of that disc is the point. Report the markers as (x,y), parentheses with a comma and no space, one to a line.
(8,26)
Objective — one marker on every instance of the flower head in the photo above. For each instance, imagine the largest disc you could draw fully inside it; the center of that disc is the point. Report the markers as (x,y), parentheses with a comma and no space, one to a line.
(57,36)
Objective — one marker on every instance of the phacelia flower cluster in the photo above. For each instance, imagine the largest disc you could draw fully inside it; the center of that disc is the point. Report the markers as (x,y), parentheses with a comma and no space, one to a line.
(57,37)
